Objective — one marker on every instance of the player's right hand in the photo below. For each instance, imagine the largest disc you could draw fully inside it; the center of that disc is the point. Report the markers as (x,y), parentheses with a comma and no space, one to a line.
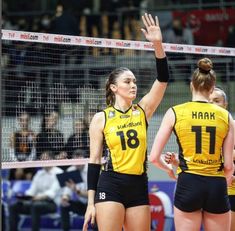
(89,217)
(169,157)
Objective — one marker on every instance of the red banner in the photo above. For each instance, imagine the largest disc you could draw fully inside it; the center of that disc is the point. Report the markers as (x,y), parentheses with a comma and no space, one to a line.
(210,27)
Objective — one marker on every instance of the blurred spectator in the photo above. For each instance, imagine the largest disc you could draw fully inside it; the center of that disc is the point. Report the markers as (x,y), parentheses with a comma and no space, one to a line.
(109,9)
(43,198)
(74,197)
(231,37)
(50,141)
(45,23)
(93,18)
(179,34)
(7,23)
(64,22)
(76,145)
(129,16)
(22,173)
(22,147)
(22,142)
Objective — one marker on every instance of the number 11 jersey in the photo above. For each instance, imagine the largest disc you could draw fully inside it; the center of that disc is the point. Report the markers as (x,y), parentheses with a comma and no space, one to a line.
(200,129)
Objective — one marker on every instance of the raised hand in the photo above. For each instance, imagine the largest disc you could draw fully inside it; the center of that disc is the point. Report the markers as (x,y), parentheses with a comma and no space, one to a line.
(152,31)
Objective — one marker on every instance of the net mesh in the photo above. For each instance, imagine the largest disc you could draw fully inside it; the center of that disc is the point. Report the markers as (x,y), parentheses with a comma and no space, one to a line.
(52,85)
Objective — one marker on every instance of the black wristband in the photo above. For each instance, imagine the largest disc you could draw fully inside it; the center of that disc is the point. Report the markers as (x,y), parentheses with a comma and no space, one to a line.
(162,70)
(93,174)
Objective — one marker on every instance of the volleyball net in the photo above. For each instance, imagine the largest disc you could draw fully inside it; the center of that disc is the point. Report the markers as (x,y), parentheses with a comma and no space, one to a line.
(53,84)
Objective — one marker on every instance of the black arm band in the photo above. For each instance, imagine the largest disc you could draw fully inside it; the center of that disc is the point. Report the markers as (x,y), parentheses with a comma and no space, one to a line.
(162,70)
(93,174)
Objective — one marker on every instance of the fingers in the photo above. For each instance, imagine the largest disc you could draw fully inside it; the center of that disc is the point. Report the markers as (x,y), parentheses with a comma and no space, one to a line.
(151,20)
(148,20)
(144,31)
(93,221)
(168,157)
(156,21)
(145,21)
(85,225)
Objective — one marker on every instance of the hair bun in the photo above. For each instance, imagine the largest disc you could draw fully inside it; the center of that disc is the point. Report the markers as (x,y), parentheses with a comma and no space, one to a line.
(205,65)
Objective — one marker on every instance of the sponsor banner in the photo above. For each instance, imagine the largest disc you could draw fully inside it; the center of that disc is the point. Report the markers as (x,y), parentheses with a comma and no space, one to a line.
(209,27)
(112,43)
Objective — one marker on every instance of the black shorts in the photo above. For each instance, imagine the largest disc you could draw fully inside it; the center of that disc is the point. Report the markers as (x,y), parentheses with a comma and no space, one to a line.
(195,192)
(129,190)
(232,202)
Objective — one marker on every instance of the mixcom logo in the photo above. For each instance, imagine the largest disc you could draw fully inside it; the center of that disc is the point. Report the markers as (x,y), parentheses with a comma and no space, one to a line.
(123,44)
(93,42)
(62,39)
(29,36)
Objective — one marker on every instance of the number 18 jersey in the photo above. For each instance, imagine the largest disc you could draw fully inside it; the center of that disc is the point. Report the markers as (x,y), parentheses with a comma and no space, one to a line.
(125,137)
(200,129)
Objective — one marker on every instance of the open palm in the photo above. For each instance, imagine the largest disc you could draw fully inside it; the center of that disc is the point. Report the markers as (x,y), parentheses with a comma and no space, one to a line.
(152,31)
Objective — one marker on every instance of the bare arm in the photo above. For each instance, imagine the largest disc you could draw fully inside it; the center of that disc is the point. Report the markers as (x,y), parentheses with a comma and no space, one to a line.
(160,141)
(153,34)
(96,145)
(96,149)
(234,141)
(228,149)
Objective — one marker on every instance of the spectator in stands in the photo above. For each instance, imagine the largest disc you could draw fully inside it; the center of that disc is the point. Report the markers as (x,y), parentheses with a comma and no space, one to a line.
(93,18)
(109,9)
(44,192)
(22,141)
(22,173)
(74,197)
(50,141)
(231,37)
(64,22)
(178,33)
(129,18)
(76,145)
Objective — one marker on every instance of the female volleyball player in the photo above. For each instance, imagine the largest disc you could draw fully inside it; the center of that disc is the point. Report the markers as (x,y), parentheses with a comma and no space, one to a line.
(118,198)
(202,131)
(219,98)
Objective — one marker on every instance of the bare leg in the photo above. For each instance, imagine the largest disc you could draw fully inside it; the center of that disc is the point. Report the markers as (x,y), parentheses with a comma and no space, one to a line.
(185,221)
(110,216)
(232,228)
(217,222)
(137,218)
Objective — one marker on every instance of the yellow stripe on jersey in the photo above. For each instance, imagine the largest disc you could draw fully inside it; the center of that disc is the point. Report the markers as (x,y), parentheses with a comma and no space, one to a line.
(200,128)
(125,136)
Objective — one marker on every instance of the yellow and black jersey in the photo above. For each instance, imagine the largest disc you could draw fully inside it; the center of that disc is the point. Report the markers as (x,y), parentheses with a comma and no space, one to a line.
(200,129)
(125,136)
